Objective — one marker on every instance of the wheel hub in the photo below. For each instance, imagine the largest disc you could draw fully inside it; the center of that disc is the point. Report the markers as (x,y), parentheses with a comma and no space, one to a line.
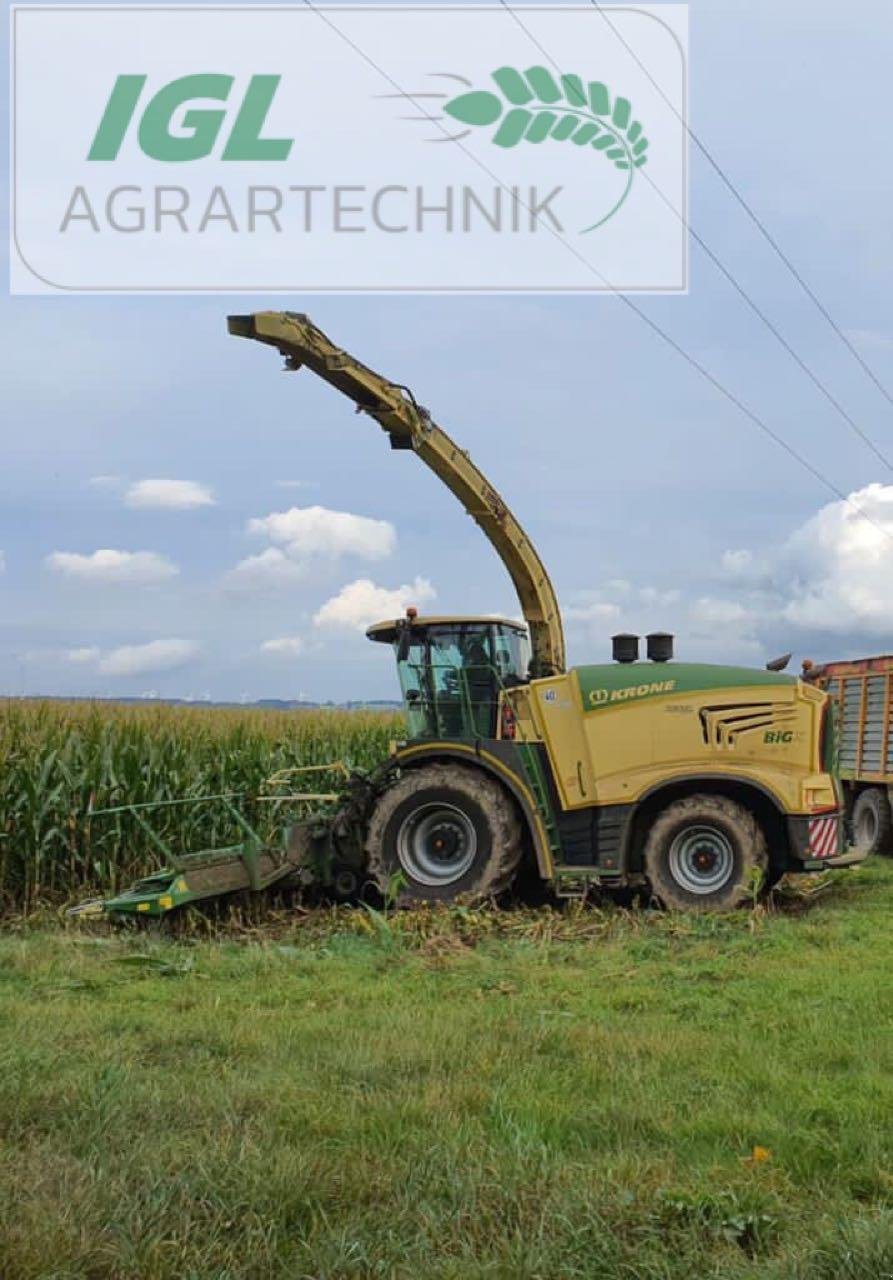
(436,844)
(701,859)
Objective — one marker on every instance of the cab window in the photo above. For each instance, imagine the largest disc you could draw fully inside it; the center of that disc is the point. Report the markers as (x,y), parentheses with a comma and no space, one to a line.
(452,674)
(511,655)
(464,680)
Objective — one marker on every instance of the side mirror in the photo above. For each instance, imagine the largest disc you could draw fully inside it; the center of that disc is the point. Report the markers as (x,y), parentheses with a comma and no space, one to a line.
(779,664)
(404,643)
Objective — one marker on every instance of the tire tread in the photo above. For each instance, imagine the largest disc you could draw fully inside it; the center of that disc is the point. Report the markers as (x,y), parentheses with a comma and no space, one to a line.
(751,839)
(877,799)
(496,875)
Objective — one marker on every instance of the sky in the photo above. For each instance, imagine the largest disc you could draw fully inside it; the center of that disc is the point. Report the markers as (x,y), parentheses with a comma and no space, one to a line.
(180,519)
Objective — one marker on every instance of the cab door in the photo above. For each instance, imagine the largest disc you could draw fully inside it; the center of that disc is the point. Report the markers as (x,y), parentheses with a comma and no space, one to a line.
(556,709)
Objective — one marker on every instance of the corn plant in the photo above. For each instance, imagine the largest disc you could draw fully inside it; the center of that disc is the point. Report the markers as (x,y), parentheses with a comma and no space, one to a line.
(60,761)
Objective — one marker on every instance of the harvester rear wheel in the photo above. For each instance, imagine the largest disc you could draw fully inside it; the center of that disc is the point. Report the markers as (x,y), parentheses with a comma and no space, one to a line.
(705,853)
(443,832)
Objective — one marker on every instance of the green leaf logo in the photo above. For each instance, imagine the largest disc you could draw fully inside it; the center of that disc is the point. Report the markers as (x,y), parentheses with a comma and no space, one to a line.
(532,106)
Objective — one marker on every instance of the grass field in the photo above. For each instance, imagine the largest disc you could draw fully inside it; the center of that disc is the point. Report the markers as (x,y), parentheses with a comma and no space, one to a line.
(515,1094)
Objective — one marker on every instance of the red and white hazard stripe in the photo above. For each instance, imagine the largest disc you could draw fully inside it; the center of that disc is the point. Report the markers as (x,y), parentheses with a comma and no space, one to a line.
(823,836)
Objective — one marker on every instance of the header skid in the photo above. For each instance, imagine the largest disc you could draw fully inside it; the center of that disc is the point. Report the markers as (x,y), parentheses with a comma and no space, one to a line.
(410,426)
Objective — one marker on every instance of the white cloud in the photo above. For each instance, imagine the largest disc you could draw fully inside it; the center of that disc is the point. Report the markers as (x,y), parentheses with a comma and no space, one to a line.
(2,562)
(297,484)
(105,482)
(303,534)
(88,653)
(271,568)
(135,659)
(595,612)
(138,659)
(724,631)
(659,596)
(617,599)
(708,629)
(138,568)
(737,564)
(836,571)
(358,604)
(284,646)
(618,603)
(306,532)
(172,495)
(832,575)
(719,613)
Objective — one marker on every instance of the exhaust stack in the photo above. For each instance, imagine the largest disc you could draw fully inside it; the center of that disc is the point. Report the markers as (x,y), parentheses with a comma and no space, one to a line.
(625,647)
(660,646)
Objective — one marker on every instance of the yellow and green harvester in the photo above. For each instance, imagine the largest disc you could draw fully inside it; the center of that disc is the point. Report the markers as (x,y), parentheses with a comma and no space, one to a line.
(698,783)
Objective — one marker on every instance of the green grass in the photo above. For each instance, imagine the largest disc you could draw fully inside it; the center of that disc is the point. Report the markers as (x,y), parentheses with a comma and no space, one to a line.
(516,1094)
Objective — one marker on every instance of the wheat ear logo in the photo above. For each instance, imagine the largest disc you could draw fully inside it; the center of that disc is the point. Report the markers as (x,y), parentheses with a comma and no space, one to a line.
(533,106)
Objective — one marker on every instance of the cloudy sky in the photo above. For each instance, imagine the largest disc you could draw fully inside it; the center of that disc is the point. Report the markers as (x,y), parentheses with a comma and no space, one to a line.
(178,517)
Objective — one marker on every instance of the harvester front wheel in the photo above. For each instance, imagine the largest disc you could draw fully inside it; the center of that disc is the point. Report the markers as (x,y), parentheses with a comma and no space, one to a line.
(705,853)
(443,832)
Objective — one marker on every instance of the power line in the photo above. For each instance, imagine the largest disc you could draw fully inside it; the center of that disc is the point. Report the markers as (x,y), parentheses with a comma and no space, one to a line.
(751,213)
(729,395)
(732,279)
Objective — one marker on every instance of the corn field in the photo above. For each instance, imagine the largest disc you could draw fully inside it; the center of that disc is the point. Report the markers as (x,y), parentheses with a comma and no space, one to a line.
(60,760)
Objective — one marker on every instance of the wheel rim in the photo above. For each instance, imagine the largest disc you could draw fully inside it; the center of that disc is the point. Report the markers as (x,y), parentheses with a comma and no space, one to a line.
(436,844)
(701,859)
(866,832)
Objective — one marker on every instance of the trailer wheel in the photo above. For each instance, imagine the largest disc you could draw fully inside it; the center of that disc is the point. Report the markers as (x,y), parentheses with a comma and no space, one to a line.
(872,821)
(705,853)
(443,832)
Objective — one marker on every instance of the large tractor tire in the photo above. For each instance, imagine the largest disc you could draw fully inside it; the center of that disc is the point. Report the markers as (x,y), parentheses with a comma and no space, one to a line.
(443,832)
(872,821)
(705,853)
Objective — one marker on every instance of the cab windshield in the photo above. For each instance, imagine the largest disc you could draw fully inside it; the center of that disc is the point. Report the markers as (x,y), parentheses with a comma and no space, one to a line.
(452,676)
